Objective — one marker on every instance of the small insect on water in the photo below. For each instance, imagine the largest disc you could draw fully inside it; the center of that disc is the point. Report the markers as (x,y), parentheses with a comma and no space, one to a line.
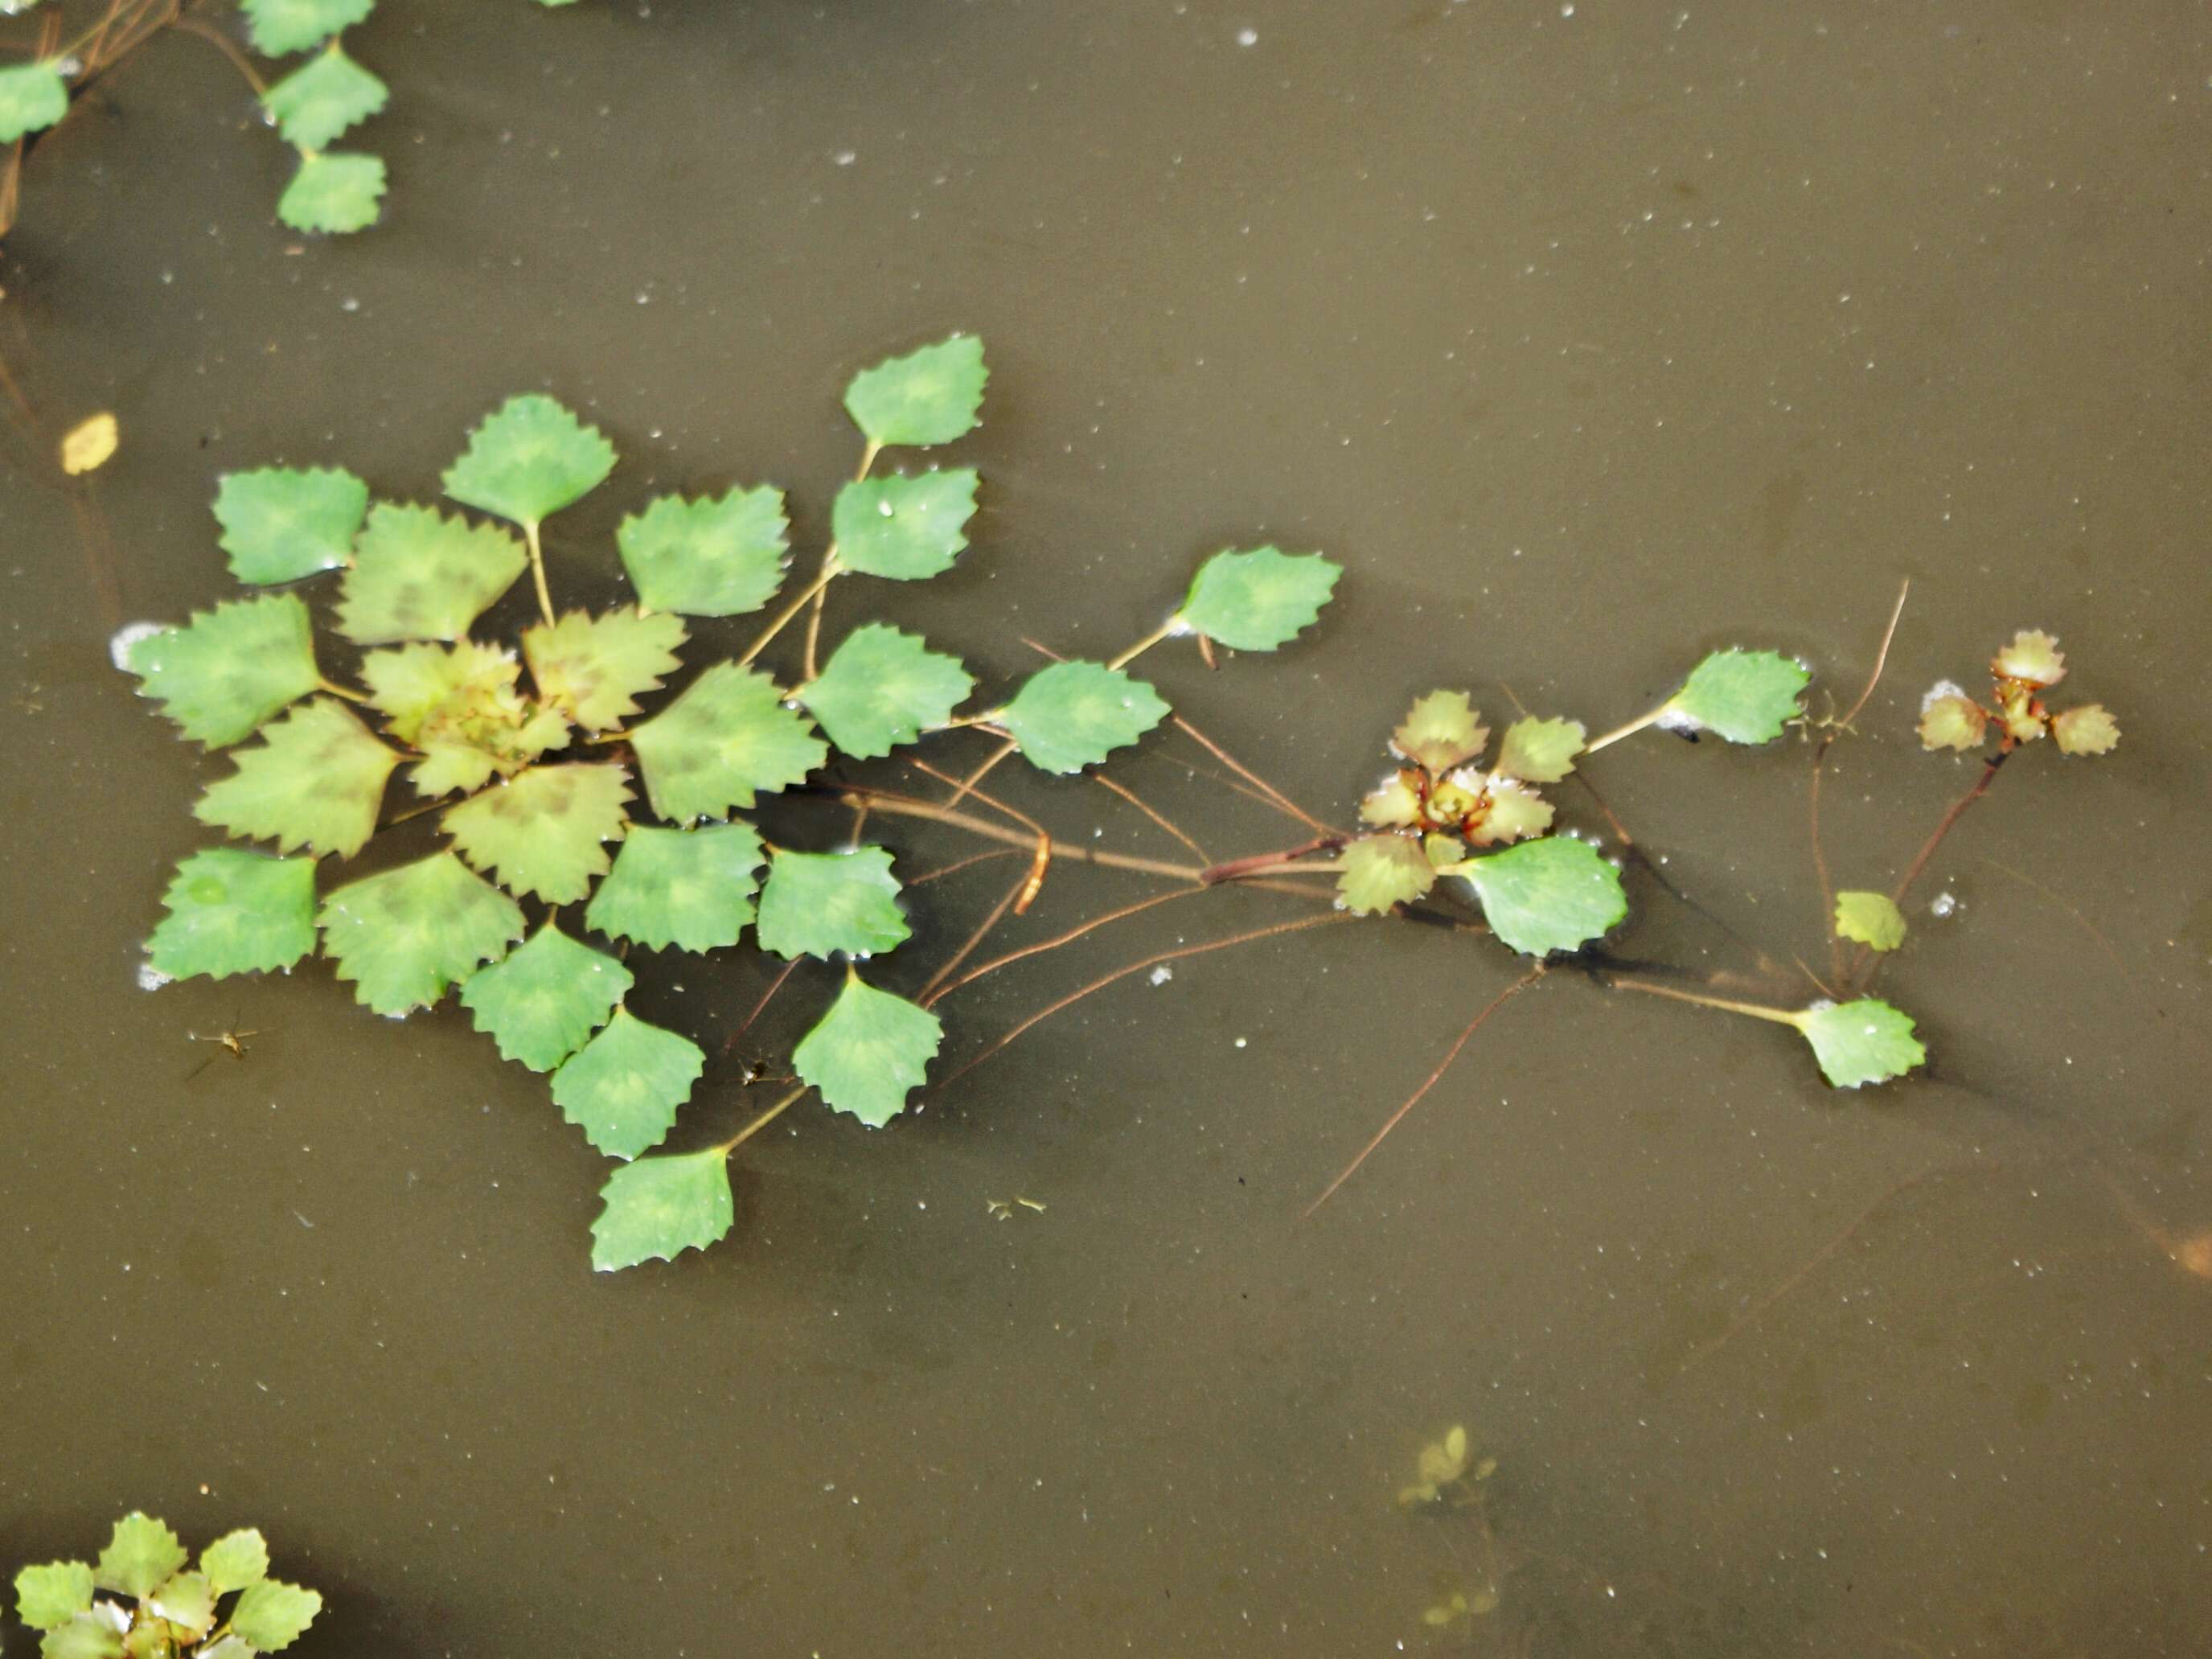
(230,1038)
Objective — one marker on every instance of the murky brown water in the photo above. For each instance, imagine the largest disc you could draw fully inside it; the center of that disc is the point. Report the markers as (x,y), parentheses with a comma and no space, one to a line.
(1588,337)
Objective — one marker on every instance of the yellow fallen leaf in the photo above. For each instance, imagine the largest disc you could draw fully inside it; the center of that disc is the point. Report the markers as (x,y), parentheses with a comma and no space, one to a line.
(89,443)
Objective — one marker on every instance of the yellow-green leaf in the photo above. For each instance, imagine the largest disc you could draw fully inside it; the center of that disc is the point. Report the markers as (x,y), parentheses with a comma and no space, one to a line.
(542,832)
(1870,919)
(315,780)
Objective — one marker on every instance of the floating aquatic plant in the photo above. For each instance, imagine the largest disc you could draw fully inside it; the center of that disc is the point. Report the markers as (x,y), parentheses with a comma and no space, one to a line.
(144,1599)
(540,761)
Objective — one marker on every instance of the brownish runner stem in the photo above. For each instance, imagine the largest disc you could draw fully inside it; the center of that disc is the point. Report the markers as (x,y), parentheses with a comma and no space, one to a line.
(912,807)
(1254,863)
(1073,997)
(1427,1084)
(761,1007)
(933,997)
(1132,797)
(1006,902)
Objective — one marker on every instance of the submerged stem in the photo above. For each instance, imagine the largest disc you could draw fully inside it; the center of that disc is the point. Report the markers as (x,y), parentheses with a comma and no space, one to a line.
(912,806)
(1254,863)
(1427,1084)
(800,602)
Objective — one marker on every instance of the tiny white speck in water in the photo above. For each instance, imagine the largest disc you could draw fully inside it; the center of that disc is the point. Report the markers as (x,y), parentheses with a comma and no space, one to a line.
(845,158)
(1943,904)
(1161,975)
(118,645)
(349,304)
(1240,1042)
(151,978)
(1247,37)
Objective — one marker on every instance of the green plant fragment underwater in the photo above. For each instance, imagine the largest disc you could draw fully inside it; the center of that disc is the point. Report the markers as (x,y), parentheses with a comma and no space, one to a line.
(1870,919)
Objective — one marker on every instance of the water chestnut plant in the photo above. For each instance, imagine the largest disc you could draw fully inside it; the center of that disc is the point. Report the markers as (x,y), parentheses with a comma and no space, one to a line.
(145,1598)
(595,780)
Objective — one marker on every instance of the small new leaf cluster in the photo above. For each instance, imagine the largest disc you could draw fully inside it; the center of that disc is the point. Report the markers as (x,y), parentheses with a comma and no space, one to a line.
(536,761)
(144,1599)
(1547,894)
(2020,674)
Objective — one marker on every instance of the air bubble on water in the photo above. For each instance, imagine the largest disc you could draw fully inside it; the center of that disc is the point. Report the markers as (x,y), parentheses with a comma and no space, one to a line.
(120,643)
(1161,975)
(845,158)
(1938,692)
(1943,904)
(1247,37)
(1240,1042)
(349,304)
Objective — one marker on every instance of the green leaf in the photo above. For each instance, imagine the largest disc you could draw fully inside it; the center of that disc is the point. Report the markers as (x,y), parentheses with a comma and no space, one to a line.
(707,558)
(272,1614)
(320,99)
(413,685)
(542,1002)
(622,1088)
(1556,894)
(819,904)
(1745,696)
(1377,872)
(658,1207)
(1863,1041)
(234,912)
(1540,751)
(230,668)
(1440,731)
(334,192)
(868,1052)
(187,1598)
(726,739)
(926,397)
(235,1560)
(542,831)
(529,458)
(141,1553)
(420,575)
(52,1595)
(1871,919)
(1260,600)
(883,688)
(315,780)
(403,936)
(596,667)
(85,1637)
(33,96)
(906,528)
(1073,714)
(690,888)
(282,27)
(458,705)
(280,523)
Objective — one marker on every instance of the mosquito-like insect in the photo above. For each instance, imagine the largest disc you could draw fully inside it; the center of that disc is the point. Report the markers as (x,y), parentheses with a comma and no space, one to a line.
(230,1038)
